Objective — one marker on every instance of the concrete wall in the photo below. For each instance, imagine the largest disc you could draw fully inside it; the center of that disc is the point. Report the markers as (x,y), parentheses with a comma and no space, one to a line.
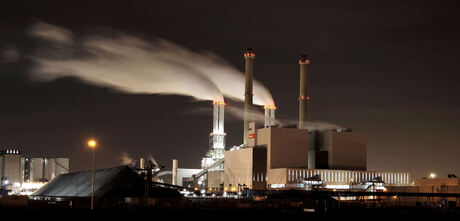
(277,176)
(426,201)
(185,172)
(346,150)
(48,168)
(336,177)
(215,179)
(437,182)
(62,166)
(12,167)
(286,147)
(246,166)
(36,169)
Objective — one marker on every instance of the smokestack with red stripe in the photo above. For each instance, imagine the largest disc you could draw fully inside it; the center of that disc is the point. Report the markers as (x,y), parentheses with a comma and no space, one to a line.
(304,62)
(249,56)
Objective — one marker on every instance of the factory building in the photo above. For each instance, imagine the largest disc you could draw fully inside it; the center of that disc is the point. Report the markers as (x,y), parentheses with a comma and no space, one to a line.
(282,157)
(20,174)
(447,185)
(295,157)
(337,149)
(46,169)
(246,166)
(11,169)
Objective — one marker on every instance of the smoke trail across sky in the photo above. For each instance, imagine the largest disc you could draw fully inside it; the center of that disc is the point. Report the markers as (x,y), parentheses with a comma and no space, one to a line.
(125,158)
(135,65)
(259,117)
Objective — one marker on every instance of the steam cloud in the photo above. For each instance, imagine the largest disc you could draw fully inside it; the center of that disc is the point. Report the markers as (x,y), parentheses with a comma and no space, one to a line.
(259,118)
(134,65)
(125,158)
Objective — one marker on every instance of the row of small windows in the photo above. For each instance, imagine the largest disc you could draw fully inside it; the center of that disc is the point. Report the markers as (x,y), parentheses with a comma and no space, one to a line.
(11,151)
(344,176)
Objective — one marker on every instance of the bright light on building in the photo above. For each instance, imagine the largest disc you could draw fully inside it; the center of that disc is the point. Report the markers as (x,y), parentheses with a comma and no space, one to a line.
(433,175)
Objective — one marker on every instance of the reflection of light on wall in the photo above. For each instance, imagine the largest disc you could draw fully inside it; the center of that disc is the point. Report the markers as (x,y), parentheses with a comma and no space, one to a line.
(28,188)
(338,186)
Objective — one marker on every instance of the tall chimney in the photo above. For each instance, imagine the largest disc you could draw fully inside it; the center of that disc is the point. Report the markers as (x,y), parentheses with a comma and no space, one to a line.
(249,56)
(269,119)
(174,171)
(303,97)
(216,137)
(218,133)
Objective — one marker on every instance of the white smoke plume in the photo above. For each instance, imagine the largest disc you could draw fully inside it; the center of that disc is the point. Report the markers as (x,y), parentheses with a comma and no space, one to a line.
(154,161)
(258,115)
(125,158)
(135,65)
(314,125)
(52,32)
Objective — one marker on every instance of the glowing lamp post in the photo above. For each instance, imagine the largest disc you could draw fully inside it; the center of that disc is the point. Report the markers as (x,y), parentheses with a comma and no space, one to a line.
(92,144)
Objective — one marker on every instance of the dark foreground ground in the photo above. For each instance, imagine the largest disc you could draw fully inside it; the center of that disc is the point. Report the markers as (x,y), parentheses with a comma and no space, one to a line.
(208,214)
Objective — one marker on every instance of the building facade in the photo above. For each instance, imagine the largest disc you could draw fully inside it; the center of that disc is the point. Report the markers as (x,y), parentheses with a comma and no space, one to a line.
(11,166)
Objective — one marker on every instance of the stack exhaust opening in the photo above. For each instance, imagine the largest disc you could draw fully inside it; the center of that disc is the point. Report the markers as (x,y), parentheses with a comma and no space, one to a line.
(269,119)
(218,133)
(216,137)
(304,63)
(249,56)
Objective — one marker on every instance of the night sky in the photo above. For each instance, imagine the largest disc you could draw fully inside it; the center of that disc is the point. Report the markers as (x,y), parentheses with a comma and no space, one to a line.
(387,69)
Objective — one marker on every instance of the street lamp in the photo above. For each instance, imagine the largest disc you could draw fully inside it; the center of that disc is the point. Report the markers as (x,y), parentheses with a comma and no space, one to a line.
(92,144)
(433,175)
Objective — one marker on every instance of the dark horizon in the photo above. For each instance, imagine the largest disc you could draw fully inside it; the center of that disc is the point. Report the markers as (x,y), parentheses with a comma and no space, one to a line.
(388,70)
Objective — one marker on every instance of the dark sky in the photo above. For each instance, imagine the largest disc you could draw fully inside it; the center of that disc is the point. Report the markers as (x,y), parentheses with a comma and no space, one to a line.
(387,69)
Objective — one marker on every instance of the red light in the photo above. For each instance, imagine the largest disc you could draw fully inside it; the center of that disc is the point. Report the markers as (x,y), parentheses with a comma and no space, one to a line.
(304,98)
(249,54)
(251,136)
(304,61)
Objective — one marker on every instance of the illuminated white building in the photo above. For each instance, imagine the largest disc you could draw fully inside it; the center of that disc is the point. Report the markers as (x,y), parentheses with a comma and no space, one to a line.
(216,138)
(336,179)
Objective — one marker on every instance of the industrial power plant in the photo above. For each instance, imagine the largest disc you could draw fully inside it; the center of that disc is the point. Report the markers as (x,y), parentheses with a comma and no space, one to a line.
(311,168)
(275,156)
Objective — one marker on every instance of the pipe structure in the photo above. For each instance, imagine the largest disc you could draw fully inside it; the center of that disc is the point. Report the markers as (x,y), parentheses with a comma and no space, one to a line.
(304,62)
(269,119)
(218,117)
(174,171)
(218,133)
(249,56)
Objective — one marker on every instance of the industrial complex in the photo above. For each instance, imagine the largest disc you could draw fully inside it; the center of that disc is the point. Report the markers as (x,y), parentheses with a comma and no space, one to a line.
(23,175)
(314,168)
(275,156)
